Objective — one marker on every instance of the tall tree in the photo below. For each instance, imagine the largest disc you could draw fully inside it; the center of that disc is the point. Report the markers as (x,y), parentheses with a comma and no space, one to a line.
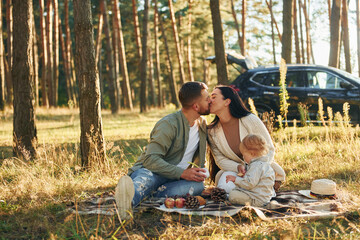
(358,32)
(220,58)
(301,34)
(123,62)
(177,42)
(243,24)
(270,6)
(56,54)
(8,65)
(92,142)
(189,49)
(137,29)
(115,42)
(345,30)
(237,27)
(35,62)
(44,56)
(272,32)
(297,46)
(24,130)
(49,37)
(335,34)
(110,59)
(307,29)
(2,68)
(143,64)
(157,57)
(151,78)
(288,22)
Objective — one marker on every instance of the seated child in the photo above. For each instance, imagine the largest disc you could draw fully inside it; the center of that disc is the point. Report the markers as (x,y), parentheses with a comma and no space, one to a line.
(256,186)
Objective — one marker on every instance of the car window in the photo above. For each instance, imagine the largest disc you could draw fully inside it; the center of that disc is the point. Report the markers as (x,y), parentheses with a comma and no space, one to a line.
(272,79)
(325,80)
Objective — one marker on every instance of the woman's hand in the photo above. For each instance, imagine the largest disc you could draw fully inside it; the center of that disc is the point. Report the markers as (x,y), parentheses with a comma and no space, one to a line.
(241,170)
(230,178)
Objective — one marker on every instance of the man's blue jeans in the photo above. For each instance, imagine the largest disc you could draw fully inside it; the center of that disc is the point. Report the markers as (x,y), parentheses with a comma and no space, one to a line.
(147,183)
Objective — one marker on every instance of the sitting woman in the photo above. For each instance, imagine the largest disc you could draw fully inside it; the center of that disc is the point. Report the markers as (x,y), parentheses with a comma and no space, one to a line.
(230,126)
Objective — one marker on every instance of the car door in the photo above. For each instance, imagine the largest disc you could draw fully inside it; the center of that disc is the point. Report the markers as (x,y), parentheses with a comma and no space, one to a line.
(334,91)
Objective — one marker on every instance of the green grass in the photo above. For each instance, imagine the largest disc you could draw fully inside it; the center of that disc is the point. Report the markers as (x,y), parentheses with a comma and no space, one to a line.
(34,195)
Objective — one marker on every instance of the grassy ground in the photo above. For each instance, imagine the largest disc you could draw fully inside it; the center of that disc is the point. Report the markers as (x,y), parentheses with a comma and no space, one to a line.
(34,195)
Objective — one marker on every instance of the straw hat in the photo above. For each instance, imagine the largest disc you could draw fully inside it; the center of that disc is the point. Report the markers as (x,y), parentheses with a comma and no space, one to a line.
(321,189)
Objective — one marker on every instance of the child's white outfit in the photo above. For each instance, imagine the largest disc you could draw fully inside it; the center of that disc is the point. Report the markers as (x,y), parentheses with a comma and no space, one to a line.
(256,186)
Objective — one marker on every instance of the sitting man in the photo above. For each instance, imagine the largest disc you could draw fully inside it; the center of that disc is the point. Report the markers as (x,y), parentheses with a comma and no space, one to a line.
(165,168)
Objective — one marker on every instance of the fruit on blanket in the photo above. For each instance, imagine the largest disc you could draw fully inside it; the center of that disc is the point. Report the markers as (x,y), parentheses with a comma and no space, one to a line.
(202,201)
(169,202)
(192,202)
(218,195)
(179,202)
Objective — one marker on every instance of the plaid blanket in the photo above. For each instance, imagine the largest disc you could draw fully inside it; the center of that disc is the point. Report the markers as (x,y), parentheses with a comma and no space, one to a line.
(287,204)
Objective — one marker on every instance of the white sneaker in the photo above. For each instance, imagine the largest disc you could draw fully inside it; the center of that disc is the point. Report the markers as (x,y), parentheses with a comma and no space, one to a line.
(124,194)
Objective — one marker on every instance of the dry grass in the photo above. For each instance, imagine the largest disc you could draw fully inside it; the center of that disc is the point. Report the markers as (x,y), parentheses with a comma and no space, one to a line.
(34,194)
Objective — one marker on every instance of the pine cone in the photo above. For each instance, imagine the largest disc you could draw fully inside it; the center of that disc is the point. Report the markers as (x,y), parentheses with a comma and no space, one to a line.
(192,202)
(218,195)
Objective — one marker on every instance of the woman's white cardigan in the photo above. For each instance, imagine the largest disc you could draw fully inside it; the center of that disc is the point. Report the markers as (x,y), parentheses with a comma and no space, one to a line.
(224,156)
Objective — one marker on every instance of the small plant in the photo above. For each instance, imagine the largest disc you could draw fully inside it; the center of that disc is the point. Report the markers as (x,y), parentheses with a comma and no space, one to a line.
(283,95)
(304,114)
(346,108)
(321,112)
(252,106)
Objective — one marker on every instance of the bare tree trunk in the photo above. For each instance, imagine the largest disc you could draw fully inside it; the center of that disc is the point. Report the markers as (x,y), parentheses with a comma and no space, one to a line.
(335,34)
(2,68)
(301,34)
(98,38)
(151,78)
(49,42)
(123,63)
(66,70)
(24,131)
(157,58)
(358,33)
(56,53)
(69,58)
(8,65)
(92,142)
(35,63)
(329,9)
(110,59)
(272,33)
(236,26)
(288,24)
(177,43)
(273,19)
(205,65)
(44,56)
(220,58)
(189,49)
(243,24)
(297,46)
(115,42)
(172,83)
(307,26)
(143,64)
(137,29)
(346,40)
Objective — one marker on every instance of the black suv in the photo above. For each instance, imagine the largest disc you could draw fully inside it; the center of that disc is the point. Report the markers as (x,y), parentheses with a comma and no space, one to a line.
(305,84)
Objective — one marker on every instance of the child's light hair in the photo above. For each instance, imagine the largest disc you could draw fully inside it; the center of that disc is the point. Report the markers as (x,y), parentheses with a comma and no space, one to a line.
(255,144)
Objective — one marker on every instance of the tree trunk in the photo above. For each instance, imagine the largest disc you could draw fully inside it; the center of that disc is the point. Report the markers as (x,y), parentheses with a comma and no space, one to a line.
(297,46)
(24,131)
(177,43)
(69,59)
(205,65)
(151,78)
(137,29)
(49,42)
(123,63)
(56,53)
(99,38)
(115,46)
(358,33)
(288,24)
(243,24)
(307,26)
(346,40)
(273,19)
(35,63)
(157,58)
(92,142)
(110,59)
(2,67)
(8,65)
(66,70)
(172,83)
(189,49)
(272,33)
(220,58)
(143,64)
(329,10)
(44,56)
(301,34)
(335,34)
(236,25)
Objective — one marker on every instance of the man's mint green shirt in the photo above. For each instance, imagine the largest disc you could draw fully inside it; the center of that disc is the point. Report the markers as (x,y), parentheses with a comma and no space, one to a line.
(168,141)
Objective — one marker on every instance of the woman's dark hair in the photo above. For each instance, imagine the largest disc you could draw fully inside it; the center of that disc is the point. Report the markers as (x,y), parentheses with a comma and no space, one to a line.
(237,106)
(237,110)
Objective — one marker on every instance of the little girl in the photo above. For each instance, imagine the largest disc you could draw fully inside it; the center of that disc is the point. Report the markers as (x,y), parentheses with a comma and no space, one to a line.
(256,186)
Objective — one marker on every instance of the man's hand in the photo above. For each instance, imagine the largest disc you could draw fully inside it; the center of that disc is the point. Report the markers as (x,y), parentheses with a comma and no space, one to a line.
(230,178)
(194,174)
(241,170)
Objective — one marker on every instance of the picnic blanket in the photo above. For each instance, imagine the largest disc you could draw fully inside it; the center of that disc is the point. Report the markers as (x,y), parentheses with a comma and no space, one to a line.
(287,204)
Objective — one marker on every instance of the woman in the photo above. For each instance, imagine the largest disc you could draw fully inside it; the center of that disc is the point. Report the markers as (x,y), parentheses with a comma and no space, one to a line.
(231,124)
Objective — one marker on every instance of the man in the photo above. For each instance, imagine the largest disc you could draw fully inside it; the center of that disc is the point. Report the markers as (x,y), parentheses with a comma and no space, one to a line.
(177,144)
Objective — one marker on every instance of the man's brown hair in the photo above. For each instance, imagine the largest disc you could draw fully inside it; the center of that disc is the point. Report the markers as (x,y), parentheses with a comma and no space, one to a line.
(189,92)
